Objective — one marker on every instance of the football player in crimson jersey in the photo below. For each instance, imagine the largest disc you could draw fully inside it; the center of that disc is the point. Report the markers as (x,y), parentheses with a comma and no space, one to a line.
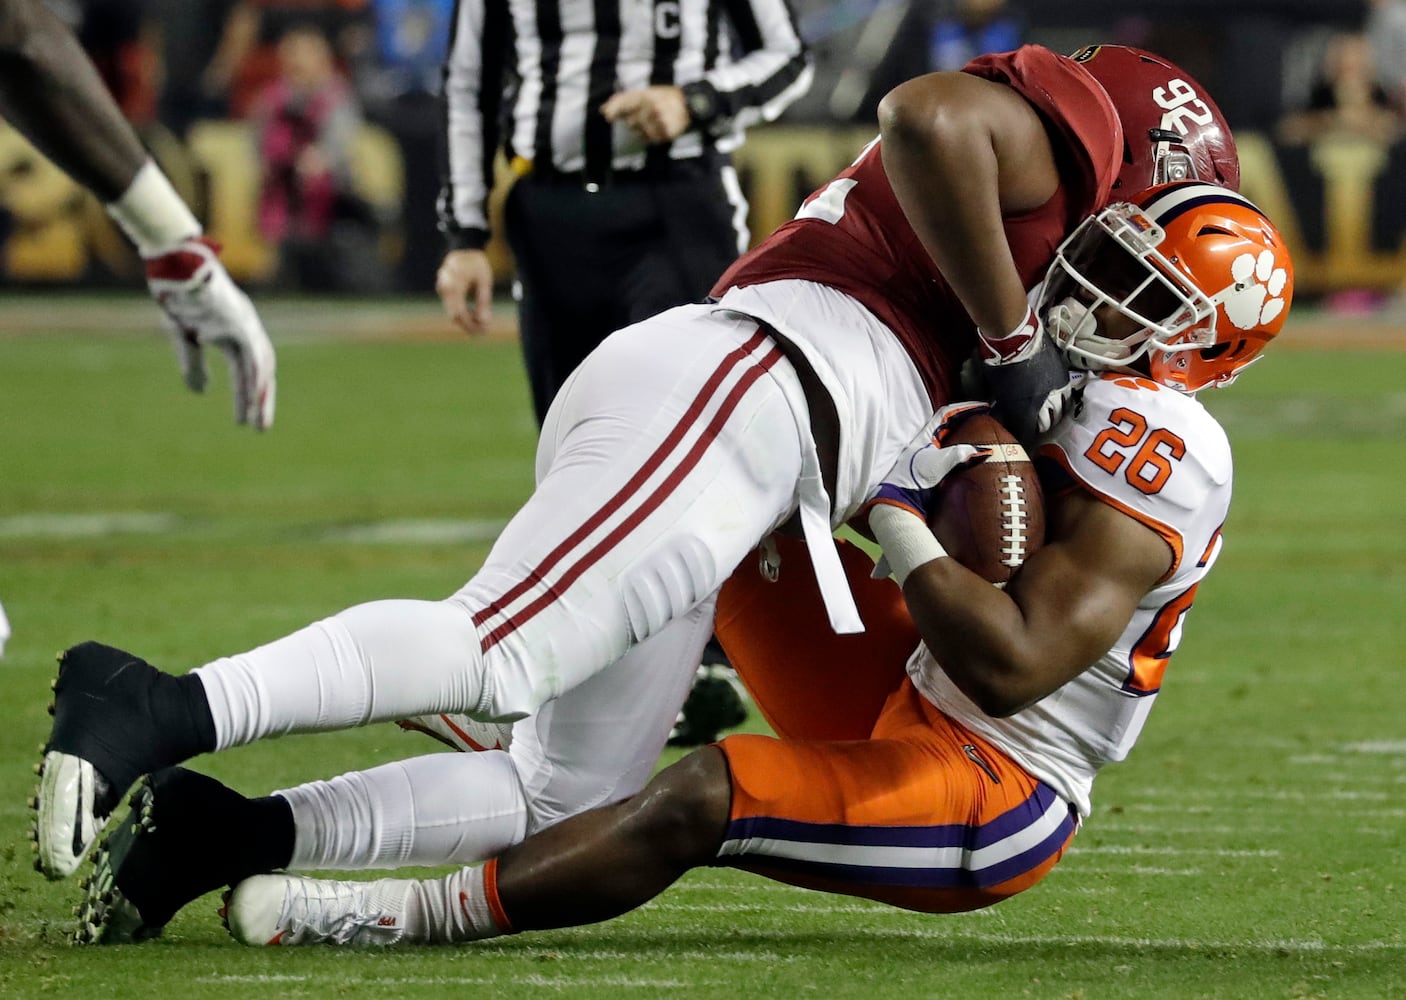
(964,781)
(895,242)
(678,446)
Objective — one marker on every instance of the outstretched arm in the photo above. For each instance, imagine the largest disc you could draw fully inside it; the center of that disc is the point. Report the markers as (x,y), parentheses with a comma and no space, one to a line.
(51,92)
(961,154)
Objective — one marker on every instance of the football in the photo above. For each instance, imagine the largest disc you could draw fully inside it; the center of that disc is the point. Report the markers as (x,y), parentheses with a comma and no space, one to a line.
(990,517)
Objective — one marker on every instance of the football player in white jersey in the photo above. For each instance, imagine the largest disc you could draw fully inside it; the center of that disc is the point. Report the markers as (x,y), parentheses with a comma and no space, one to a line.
(979,765)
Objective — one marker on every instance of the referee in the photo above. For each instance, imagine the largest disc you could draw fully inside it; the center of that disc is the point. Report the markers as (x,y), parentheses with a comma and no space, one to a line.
(618,118)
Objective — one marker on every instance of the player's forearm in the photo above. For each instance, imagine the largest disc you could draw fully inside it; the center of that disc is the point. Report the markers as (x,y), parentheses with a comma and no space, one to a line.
(940,159)
(473,83)
(977,634)
(50,91)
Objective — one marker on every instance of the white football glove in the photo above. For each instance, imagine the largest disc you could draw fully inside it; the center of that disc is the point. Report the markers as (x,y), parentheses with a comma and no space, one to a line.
(202,305)
(927,461)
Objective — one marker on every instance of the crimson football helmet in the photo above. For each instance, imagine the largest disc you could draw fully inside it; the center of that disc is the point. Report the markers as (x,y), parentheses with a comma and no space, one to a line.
(1190,275)
(1172,130)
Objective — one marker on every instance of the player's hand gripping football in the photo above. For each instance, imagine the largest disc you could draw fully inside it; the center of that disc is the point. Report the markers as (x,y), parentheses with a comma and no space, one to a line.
(927,461)
(202,306)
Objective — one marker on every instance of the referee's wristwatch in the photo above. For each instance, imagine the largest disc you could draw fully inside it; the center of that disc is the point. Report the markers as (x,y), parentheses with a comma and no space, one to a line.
(701,99)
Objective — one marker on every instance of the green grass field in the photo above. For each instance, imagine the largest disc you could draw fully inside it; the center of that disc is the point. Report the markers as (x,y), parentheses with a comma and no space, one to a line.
(1253,846)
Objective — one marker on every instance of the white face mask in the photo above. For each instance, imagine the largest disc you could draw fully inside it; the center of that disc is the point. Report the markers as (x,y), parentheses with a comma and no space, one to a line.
(1073,325)
(1120,245)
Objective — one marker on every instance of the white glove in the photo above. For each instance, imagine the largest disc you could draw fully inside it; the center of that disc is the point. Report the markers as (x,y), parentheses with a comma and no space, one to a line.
(1058,401)
(906,540)
(927,461)
(202,305)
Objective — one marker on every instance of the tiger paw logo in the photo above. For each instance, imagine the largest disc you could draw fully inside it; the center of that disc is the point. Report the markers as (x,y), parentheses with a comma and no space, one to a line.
(1256,298)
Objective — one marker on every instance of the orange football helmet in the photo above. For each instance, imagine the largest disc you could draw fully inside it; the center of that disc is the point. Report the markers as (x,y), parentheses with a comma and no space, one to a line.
(1191,275)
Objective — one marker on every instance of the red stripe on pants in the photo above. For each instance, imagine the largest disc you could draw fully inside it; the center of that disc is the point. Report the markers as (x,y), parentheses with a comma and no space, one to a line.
(652,502)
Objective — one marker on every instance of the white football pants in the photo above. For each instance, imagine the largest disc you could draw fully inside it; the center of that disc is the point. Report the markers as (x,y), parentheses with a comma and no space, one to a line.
(596,744)
(667,457)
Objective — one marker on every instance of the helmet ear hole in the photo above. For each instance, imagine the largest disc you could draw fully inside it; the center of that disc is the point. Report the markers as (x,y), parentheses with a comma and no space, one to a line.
(1216,350)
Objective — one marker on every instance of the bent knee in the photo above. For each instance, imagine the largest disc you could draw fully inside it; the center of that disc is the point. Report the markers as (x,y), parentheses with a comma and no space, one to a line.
(686,808)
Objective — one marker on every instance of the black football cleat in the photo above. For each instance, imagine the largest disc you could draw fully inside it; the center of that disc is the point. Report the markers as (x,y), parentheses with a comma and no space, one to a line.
(717,701)
(105,735)
(169,850)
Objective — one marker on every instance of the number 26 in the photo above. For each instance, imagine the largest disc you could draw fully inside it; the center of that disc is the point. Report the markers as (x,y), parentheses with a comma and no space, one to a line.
(1145,457)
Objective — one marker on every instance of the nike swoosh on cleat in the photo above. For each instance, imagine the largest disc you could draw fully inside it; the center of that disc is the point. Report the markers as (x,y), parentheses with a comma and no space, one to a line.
(474,744)
(278,938)
(78,844)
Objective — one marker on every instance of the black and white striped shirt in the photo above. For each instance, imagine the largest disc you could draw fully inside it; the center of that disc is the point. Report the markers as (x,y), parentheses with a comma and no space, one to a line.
(550,64)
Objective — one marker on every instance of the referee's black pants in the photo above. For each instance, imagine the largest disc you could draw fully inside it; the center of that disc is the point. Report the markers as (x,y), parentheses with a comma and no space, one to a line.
(591,262)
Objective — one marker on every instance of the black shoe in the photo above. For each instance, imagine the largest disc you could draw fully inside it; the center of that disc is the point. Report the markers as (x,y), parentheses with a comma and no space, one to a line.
(113,722)
(186,835)
(716,702)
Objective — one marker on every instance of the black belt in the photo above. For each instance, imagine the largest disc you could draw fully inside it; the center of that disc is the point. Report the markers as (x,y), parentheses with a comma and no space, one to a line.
(655,169)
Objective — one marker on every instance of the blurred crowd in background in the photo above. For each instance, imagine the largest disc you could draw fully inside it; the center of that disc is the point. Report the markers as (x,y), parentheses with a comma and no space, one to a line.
(305,76)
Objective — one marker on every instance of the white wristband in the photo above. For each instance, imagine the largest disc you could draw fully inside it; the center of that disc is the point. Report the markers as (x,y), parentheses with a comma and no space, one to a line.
(152,214)
(906,540)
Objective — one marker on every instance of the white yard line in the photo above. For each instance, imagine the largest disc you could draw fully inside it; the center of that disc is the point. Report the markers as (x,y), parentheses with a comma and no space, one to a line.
(1214,852)
(564,983)
(96,524)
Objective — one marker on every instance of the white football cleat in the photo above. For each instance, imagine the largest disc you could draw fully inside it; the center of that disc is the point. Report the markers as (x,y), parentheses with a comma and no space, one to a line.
(291,909)
(202,305)
(461,732)
(70,816)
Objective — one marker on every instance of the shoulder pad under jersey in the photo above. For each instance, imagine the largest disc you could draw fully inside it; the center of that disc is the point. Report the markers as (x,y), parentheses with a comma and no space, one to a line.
(1148,450)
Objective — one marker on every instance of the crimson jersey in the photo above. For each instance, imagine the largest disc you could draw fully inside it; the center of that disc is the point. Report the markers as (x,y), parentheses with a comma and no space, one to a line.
(853,236)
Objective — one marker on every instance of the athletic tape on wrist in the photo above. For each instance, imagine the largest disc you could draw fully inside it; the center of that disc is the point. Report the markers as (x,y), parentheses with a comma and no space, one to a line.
(152,214)
(1018,345)
(905,539)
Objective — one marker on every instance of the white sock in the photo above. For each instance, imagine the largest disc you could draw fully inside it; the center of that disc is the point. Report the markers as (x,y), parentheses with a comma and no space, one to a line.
(442,808)
(152,214)
(375,662)
(462,906)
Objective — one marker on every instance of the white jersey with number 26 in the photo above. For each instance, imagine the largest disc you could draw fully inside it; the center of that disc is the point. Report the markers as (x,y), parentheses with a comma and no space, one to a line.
(1158,456)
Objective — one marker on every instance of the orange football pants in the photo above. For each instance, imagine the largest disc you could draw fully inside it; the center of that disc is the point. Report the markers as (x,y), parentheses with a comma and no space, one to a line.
(871,791)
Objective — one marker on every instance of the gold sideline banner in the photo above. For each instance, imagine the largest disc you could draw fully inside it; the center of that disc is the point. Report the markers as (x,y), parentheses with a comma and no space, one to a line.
(1333,200)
